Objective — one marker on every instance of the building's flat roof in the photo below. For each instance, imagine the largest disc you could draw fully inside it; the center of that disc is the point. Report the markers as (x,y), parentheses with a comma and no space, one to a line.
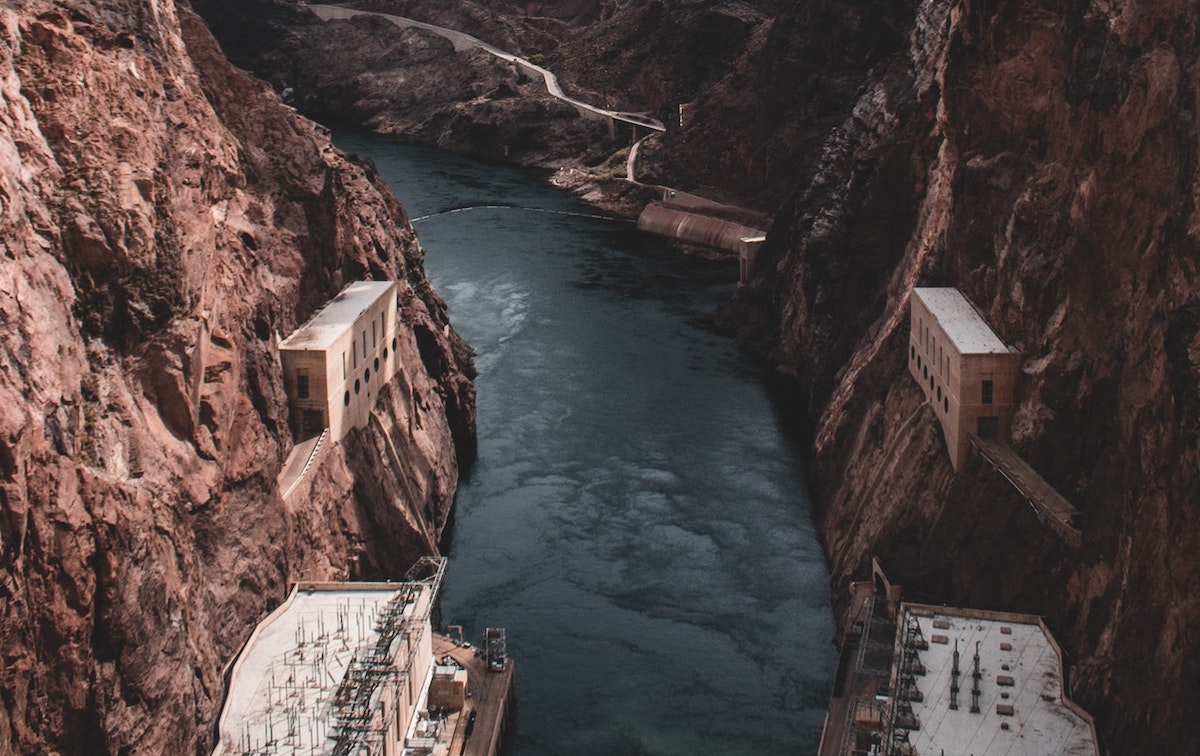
(962,323)
(332,320)
(283,685)
(1042,722)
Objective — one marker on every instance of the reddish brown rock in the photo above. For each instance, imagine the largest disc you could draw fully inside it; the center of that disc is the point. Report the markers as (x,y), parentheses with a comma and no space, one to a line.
(747,90)
(409,82)
(164,219)
(1042,161)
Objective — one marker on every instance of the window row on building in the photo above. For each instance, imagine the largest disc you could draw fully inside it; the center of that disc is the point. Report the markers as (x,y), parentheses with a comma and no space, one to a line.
(963,368)
(334,364)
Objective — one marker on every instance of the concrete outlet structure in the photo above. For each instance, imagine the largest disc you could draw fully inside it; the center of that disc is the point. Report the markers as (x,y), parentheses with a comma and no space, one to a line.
(355,669)
(967,373)
(338,668)
(335,364)
(922,680)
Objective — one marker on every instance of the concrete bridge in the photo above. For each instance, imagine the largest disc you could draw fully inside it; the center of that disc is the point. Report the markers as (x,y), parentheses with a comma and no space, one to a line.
(463,41)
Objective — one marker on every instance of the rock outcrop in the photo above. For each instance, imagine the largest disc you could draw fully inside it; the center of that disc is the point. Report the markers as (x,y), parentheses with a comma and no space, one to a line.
(1044,162)
(747,89)
(410,83)
(164,219)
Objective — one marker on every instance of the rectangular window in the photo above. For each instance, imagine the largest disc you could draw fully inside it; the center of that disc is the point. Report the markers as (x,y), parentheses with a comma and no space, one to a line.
(343,366)
(302,384)
(988,392)
(354,355)
(374,341)
(364,347)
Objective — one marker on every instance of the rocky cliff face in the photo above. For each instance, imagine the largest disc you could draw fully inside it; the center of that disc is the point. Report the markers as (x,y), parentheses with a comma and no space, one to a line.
(1041,158)
(410,83)
(164,219)
(747,89)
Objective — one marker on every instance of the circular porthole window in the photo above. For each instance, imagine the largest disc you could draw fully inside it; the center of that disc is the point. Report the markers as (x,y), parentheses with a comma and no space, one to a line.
(377,363)
(346,399)
(367,375)
(947,405)
(357,386)
(385,353)
(393,343)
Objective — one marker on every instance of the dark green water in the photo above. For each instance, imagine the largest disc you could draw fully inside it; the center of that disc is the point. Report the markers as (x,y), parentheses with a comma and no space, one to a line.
(636,519)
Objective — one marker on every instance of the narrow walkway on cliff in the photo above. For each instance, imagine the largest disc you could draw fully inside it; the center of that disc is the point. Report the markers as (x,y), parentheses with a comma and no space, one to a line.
(1049,504)
(463,41)
(303,456)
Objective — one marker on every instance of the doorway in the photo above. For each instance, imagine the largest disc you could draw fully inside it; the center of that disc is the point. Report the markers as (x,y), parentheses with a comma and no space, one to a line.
(988,426)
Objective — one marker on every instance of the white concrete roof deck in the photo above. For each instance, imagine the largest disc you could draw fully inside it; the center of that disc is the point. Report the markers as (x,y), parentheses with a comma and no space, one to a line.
(283,684)
(1043,722)
(962,323)
(332,320)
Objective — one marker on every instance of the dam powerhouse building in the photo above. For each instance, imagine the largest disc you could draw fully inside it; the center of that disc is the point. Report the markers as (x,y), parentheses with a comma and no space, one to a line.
(335,364)
(965,370)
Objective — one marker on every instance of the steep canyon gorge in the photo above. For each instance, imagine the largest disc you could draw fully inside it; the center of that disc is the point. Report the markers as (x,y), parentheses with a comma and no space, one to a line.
(165,220)
(1042,159)
(166,217)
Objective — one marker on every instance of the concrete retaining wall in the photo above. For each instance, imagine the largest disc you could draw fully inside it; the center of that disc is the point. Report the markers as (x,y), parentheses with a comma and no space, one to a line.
(694,228)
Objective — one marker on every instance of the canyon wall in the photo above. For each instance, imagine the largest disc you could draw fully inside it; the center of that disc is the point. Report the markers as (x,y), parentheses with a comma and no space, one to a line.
(751,119)
(747,90)
(409,83)
(164,220)
(1041,157)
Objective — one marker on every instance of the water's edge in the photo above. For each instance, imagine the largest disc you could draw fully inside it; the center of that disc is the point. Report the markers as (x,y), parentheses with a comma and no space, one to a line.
(636,518)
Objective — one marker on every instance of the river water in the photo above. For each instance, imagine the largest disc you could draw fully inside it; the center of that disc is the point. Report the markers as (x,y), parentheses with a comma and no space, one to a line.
(636,518)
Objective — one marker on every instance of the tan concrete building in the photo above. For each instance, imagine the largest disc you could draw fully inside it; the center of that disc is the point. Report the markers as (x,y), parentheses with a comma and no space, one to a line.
(448,688)
(967,373)
(335,364)
(748,251)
